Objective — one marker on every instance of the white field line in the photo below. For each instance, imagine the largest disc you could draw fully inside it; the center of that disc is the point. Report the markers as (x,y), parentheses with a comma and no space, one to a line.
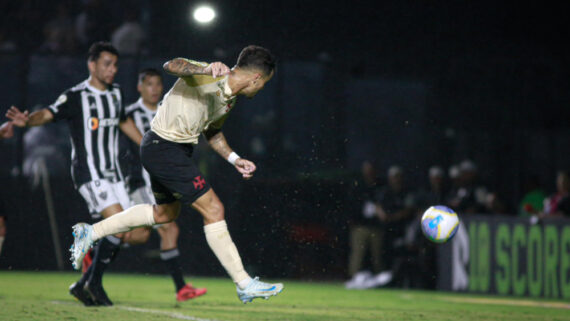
(173,315)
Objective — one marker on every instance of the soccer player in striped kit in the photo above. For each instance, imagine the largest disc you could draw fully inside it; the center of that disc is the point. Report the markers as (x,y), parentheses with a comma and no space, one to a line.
(138,180)
(198,103)
(94,112)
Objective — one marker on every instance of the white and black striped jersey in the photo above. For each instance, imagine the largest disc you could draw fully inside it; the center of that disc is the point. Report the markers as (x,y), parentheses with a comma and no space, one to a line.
(136,175)
(93,117)
(141,114)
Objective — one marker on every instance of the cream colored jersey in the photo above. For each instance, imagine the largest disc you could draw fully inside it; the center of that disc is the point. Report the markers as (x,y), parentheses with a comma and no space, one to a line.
(192,105)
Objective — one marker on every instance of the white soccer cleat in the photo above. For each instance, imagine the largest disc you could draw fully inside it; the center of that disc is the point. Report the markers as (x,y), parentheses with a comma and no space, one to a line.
(258,289)
(82,242)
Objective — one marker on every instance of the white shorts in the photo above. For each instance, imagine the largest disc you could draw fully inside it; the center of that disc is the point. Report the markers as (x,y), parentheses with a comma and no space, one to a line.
(101,194)
(142,195)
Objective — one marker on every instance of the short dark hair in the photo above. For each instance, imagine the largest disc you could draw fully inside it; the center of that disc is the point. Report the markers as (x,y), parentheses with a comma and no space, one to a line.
(256,57)
(149,72)
(98,47)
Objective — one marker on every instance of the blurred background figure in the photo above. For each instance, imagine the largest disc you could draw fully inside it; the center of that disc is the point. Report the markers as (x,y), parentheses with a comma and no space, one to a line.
(469,197)
(558,204)
(533,199)
(494,204)
(396,204)
(454,178)
(128,38)
(415,265)
(396,208)
(437,191)
(366,229)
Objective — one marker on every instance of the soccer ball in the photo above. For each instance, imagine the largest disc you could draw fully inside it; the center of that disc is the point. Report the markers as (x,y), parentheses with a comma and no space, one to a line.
(439,223)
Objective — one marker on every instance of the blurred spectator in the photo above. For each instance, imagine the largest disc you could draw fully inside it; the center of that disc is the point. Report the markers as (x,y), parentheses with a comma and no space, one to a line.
(559,204)
(59,32)
(415,263)
(129,36)
(93,23)
(454,175)
(468,197)
(437,192)
(396,202)
(396,207)
(366,232)
(494,205)
(455,181)
(46,148)
(533,199)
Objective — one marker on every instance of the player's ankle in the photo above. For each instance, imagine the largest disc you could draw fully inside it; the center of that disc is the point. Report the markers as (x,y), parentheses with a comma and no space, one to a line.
(243,283)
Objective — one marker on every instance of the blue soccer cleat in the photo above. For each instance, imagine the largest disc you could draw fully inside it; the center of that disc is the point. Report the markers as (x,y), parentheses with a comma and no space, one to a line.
(258,289)
(82,242)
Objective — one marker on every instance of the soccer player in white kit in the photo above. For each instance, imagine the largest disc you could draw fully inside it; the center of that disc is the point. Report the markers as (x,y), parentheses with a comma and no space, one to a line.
(198,103)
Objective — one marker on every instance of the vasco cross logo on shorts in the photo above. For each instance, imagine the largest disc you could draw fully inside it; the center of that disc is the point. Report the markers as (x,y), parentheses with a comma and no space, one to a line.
(199,182)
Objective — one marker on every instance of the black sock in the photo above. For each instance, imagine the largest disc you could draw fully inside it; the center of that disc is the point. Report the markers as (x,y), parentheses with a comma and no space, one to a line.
(104,253)
(170,258)
(86,275)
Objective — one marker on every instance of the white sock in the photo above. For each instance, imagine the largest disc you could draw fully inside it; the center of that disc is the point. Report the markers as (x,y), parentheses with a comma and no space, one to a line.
(131,218)
(221,243)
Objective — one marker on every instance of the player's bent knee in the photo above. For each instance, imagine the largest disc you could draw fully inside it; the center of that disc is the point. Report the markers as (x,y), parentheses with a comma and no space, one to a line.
(165,213)
(215,212)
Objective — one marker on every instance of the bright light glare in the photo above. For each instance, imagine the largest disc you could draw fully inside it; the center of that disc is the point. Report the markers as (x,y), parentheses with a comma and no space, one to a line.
(204,14)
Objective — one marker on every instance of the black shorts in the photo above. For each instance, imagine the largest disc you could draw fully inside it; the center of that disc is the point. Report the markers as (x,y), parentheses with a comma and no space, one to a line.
(173,175)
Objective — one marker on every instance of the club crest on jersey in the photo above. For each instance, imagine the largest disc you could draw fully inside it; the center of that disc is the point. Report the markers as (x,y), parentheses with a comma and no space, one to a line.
(94,123)
(115,101)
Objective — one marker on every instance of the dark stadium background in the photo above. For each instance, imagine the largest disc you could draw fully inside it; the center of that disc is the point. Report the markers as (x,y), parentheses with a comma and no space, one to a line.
(413,83)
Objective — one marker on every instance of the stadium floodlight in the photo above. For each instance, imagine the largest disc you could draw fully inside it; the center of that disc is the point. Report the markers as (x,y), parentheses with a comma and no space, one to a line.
(204,14)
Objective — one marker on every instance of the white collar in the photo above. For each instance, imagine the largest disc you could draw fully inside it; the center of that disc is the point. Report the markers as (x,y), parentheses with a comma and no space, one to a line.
(141,103)
(95,90)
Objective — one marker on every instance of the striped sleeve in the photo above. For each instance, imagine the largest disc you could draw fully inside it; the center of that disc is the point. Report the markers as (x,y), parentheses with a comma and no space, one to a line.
(63,108)
(130,110)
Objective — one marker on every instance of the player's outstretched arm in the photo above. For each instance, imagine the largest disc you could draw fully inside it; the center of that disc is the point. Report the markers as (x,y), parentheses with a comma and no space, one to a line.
(23,119)
(130,129)
(218,142)
(183,67)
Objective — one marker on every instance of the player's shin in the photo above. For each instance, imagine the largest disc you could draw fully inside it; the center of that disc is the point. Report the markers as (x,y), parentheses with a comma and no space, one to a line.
(136,216)
(221,243)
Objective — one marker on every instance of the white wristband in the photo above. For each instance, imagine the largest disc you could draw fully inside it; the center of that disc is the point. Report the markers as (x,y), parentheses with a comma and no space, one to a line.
(232,158)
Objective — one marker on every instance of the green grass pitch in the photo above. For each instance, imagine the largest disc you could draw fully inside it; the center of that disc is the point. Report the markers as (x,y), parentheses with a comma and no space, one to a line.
(43,296)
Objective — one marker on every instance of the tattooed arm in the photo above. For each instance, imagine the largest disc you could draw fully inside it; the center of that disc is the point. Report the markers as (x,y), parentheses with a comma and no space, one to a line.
(218,142)
(182,67)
